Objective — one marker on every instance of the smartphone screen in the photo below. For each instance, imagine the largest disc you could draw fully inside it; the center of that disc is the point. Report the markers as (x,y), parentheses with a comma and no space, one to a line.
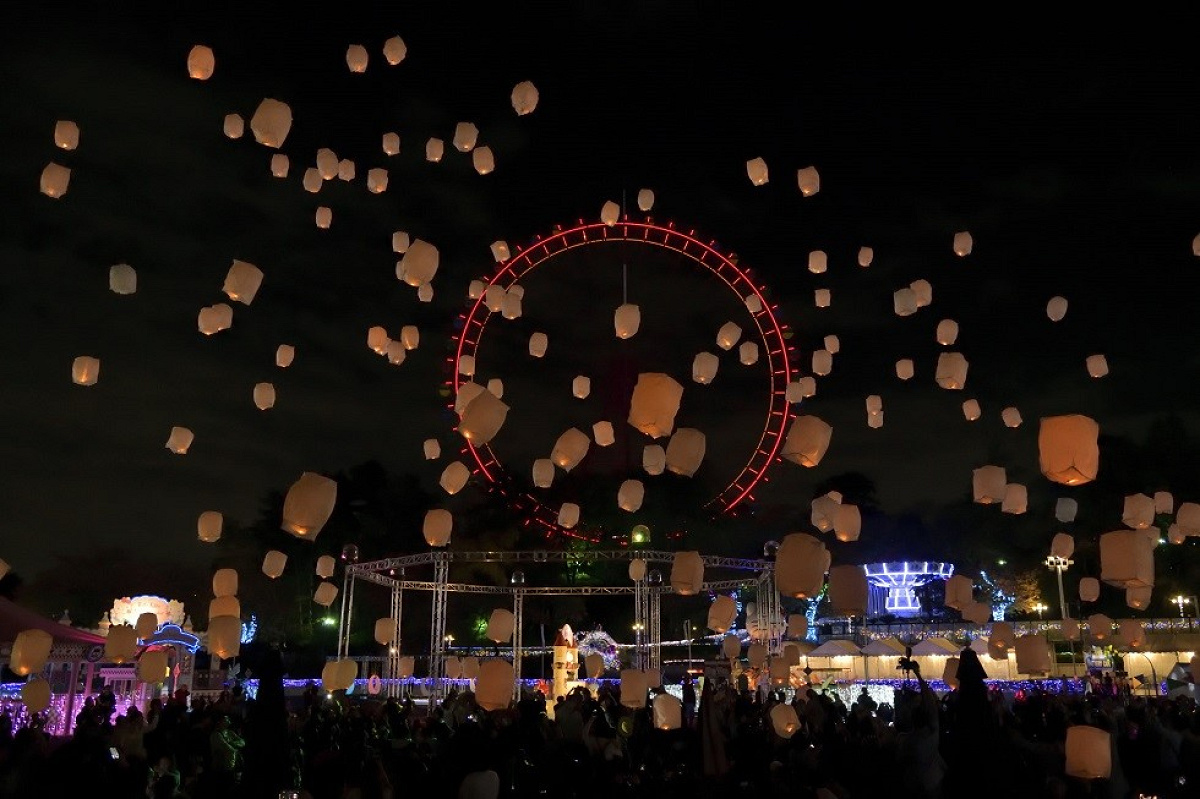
(112,751)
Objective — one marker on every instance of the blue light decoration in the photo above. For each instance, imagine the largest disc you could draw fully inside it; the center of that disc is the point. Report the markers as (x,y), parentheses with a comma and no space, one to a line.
(173,634)
(1001,601)
(895,585)
(249,629)
(600,642)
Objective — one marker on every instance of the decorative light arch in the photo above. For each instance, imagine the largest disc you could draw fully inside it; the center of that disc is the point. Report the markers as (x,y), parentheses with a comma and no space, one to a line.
(772,335)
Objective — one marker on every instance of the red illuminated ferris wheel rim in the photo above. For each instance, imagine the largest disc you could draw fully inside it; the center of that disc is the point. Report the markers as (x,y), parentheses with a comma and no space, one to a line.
(771,333)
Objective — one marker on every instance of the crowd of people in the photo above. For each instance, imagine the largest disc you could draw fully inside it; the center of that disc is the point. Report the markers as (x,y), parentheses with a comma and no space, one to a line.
(971,742)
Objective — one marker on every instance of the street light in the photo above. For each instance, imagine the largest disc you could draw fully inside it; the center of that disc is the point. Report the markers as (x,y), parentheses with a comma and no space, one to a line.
(1039,607)
(687,633)
(1058,564)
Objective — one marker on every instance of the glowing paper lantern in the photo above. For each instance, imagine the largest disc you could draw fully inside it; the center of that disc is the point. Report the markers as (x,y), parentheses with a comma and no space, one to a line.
(466,135)
(581,386)
(264,396)
(377,180)
(809,180)
(1138,512)
(847,522)
(728,336)
(824,511)
(179,440)
(865,256)
(645,199)
(326,564)
(377,339)
(1163,502)
(630,495)
(818,262)
(807,441)
(950,673)
(325,594)
(602,434)
(284,355)
(122,279)
(1138,598)
(30,651)
(687,573)
(152,666)
(731,646)
(748,353)
(848,590)
(1188,518)
(201,62)
(626,320)
(756,170)
(234,126)
(722,613)
(346,170)
(1033,654)
(543,472)
(431,448)
(971,410)
(655,402)
(434,148)
(214,319)
(988,484)
(822,362)
(904,369)
(685,451)
(654,459)
(323,217)
(308,505)
(1127,558)
(797,625)
(1089,589)
(55,180)
(437,527)
(922,292)
(1097,365)
(271,123)
(610,213)
(121,643)
(524,98)
(225,582)
(951,370)
(1062,546)
(394,50)
(312,180)
(633,688)
(960,592)
(807,387)
(494,686)
(484,160)
(274,562)
(570,448)
(1065,509)
(595,665)
(1015,499)
(977,613)
(208,526)
(493,298)
(1089,753)
(224,636)
(963,243)
(800,566)
(947,332)
(467,392)
(385,630)
(668,712)
(753,303)
(454,477)
(1070,629)
(500,626)
(568,515)
(822,298)
(904,302)
(756,655)
(85,370)
(1011,417)
(356,58)
(483,418)
(1002,635)
(1056,308)
(338,675)
(1100,626)
(420,262)
(280,165)
(66,134)
(391,144)
(470,668)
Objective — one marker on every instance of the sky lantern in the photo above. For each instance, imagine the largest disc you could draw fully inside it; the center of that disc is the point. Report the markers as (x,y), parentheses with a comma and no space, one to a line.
(1089,589)
(668,712)
(281,165)
(420,262)
(327,163)
(570,448)
(500,252)
(809,181)
(55,180)
(722,613)
(904,302)
(645,199)
(410,337)
(543,472)
(800,566)
(803,388)
(874,403)
(325,594)
(494,686)
(1089,752)
(242,282)
(224,582)
(807,440)
(493,297)
(822,298)
(1138,512)
(748,353)
(988,484)
(434,148)
(822,362)
(400,244)
(630,495)
(1062,545)
(848,590)
(432,449)
(483,418)
(823,513)
(951,370)
(753,303)
(654,459)
(960,592)
(234,126)
(1069,449)
(438,525)
(1011,417)
(1070,629)
(963,244)
(1056,308)
(454,477)
(977,612)
(847,522)
(685,451)
(524,98)
(728,335)
(30,651)
(385,631)
(1100,626)
(1065,509)
(865,256)
(687,573)
(466,393)
(1138,598)
(581,386)
(1002,635)
(323,217)
(1163,502)
(626,320)
(274,563)
(208,526)
(466,134)
(308,505)
(1016,499)
(395,353)
(85,370)
(501,625)
(338,675)
(797,626)
(1127,558)
(394,50)
(356,58)
(201,62)
(425,292)
(312,180)
(832,343)
(947,332)
(568,515)
(971,410)
(633,688)
(1033,654)
(377,339)
(655,402)
(704,367)
(1188,518)
(225,636)
(377,180)
(818,262)
(731,646)
(904,369)
(610,213)
(121,643)
(756,170)
(122,279)
(390,144)
(1097,365)
(922,292)
(271,123)
(66,134)
(484,160)
(602,434)
(179,440)
(152,666)
(326,565)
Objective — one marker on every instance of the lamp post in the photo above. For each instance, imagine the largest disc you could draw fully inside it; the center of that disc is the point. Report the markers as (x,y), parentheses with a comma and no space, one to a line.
(638,628)
(687,633)
(1040,608)
(1181,600)
(1058,564)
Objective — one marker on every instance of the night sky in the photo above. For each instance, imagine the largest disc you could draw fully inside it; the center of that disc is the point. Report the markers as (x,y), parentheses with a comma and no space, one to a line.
(1074,168)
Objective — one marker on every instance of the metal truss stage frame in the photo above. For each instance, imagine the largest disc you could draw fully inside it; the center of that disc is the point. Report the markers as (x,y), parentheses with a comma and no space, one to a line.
(647,593)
